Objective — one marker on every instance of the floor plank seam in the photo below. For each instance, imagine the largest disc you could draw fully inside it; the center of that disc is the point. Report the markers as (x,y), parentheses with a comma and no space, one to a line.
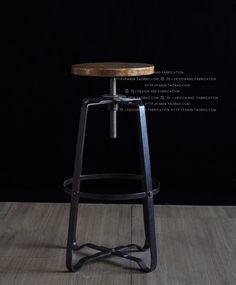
(196,246)
(131,241)
(32,257)
(6,213)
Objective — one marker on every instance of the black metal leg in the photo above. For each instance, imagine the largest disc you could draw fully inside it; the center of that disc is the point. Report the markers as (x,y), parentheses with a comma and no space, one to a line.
(148,208)
(146,195)
(71,241)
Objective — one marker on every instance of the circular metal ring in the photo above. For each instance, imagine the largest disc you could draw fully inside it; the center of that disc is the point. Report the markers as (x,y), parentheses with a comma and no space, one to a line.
(127,196)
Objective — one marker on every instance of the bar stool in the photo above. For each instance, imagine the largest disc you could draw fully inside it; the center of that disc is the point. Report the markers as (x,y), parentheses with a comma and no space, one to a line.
(150,186)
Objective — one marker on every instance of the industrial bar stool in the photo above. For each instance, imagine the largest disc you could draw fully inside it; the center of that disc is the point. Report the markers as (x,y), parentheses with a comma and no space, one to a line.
(150,186)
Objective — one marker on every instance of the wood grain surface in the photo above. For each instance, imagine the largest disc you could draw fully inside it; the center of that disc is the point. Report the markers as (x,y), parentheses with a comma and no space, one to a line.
(112,69)
(196,245)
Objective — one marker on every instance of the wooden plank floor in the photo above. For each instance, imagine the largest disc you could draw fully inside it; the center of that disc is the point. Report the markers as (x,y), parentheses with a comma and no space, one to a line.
(196,245)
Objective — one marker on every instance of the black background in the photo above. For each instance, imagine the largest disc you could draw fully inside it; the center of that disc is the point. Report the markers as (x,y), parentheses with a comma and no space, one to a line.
(193,155)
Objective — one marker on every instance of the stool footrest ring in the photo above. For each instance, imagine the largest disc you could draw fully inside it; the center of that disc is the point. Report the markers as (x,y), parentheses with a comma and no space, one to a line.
(127,196)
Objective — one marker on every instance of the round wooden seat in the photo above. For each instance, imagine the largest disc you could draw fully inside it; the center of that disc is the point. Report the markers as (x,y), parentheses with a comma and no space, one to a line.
(112,69)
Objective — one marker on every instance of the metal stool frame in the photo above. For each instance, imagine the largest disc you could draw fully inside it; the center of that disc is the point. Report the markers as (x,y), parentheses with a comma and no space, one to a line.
(113,101)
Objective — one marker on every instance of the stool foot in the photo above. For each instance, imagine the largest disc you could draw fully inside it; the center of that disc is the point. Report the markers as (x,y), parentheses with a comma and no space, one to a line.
(105,252)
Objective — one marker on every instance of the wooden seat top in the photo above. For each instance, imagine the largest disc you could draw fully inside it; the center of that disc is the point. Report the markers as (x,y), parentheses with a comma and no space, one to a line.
(112,69)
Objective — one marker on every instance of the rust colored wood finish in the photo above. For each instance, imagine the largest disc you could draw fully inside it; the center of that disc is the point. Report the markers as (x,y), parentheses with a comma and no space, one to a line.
(112,69)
